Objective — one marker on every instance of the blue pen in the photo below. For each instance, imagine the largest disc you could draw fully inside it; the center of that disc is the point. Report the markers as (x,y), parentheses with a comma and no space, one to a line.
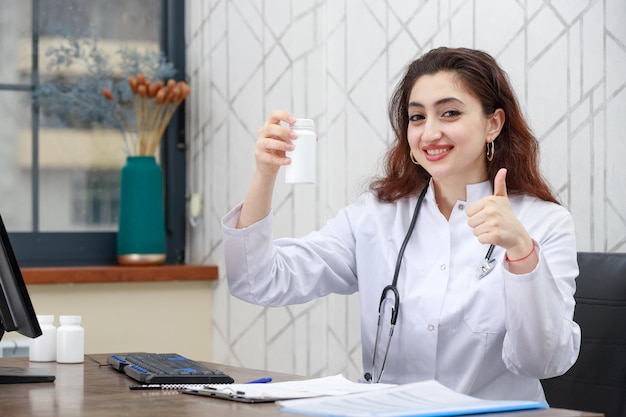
(260,381)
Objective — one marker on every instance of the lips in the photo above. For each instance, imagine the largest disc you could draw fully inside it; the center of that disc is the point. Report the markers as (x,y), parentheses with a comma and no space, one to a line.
(436,153)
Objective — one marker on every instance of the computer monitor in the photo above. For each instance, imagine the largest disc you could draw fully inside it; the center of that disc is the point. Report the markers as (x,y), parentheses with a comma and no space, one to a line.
(16,312)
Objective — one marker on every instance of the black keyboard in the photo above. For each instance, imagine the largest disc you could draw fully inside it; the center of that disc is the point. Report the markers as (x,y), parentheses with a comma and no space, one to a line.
(166,368)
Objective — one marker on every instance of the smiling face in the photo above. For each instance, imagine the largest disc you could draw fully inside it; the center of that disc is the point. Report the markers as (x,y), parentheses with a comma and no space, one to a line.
(448,130)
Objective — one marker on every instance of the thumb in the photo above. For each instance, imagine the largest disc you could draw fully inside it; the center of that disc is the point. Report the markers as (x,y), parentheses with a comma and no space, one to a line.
(499,183)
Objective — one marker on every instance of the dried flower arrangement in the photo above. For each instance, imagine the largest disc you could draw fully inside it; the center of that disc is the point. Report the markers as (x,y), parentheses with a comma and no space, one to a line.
(154,104)
(113,94)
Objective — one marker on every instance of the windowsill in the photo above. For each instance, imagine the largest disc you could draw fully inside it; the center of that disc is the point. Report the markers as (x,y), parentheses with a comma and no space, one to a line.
(114,273)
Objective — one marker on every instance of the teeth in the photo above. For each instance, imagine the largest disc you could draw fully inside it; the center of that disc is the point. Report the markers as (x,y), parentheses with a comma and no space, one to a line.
(436,151)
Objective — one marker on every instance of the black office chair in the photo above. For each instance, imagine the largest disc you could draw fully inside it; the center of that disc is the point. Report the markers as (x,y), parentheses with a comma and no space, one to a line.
(597,381)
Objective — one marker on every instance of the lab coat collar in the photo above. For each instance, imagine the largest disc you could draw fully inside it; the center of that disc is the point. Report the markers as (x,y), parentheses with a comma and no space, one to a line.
(474,192)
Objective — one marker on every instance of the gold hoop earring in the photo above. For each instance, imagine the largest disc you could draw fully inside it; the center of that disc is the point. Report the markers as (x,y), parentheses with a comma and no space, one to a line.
(491,150)
(413,158)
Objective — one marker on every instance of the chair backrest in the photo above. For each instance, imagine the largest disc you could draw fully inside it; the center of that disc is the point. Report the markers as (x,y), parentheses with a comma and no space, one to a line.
(597,381)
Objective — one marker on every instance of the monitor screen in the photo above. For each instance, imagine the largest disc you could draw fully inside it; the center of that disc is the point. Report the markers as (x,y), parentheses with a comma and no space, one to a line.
(16,311)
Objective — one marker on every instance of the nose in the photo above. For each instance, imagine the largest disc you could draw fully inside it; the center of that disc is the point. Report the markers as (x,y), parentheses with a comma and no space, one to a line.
(432,131)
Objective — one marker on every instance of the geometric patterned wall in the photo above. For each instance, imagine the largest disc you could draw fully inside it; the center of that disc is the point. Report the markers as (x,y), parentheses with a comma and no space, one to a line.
(337,61)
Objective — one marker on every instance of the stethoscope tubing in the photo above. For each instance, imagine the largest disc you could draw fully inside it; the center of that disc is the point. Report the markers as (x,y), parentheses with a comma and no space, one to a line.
(394,289)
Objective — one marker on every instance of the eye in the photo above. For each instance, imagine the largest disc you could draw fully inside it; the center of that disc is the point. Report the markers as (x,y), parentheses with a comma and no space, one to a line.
(451,113)
(416,117)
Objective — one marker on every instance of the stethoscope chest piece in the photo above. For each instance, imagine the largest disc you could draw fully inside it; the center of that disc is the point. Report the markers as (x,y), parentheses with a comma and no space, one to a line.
(487,267)
(488,263)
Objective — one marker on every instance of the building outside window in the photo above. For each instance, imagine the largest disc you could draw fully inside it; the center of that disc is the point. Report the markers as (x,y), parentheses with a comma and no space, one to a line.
(95,199)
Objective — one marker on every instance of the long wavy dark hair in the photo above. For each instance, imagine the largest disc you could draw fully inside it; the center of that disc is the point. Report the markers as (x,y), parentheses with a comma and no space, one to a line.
(517,149)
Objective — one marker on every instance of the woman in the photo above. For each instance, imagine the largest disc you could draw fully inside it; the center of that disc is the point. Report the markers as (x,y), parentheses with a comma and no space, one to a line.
(484,279)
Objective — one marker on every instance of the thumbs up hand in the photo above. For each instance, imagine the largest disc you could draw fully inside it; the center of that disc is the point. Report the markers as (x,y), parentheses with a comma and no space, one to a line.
(494,221)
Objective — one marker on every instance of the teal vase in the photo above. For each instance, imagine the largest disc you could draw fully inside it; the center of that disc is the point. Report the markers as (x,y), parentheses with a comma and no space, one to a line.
(141,231)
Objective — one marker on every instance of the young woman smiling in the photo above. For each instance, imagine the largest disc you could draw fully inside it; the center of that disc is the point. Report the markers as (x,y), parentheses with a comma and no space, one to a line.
(460,245)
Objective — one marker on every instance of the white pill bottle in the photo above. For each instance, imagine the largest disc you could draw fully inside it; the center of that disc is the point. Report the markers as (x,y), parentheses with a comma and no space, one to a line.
(302,169)
(70,340)
(44,347)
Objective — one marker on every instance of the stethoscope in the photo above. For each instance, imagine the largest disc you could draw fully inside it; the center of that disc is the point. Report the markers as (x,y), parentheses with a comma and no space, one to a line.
(485,269)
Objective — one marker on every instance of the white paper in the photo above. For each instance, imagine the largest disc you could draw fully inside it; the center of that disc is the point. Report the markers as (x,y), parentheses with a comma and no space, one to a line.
(331,385)
(427,398)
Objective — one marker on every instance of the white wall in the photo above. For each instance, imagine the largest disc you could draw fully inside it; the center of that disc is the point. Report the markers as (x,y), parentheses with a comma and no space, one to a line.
(167,317)
(337,61)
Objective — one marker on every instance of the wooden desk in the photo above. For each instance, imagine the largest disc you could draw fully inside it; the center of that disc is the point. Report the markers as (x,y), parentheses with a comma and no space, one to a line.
(90,390)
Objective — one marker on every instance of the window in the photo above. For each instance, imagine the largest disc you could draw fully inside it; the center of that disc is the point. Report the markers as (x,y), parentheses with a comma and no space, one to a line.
(59,176)
(95,199)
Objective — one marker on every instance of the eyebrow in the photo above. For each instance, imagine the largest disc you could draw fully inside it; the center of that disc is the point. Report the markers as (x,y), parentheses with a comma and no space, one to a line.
(445,100)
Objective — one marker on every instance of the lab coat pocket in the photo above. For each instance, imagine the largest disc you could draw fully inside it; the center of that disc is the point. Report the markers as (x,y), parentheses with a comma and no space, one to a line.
(484,305)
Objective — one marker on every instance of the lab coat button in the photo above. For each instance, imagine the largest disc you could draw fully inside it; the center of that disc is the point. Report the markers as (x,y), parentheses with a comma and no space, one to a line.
(461,206)
(443,267)
(431,327)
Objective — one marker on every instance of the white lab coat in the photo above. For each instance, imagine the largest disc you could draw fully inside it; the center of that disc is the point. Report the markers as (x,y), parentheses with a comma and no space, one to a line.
(492,337)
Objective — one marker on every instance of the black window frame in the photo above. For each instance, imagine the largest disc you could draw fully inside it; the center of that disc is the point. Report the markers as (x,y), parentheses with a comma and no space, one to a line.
(40,249)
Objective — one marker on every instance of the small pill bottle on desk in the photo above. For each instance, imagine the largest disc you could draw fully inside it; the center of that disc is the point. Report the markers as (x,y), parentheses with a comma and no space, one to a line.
(70,340)
(44,347)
